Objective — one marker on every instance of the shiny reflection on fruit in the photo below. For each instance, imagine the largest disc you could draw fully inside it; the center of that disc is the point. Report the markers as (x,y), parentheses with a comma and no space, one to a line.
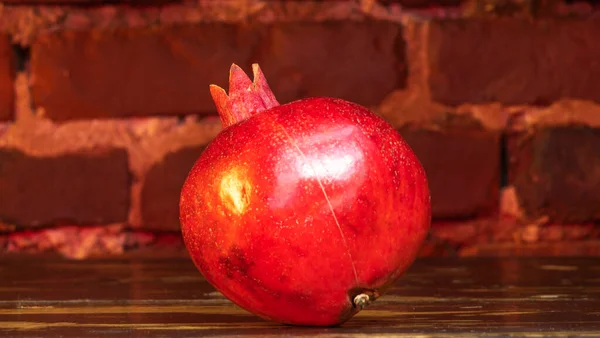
(235,191)
(330,166)
(340,164)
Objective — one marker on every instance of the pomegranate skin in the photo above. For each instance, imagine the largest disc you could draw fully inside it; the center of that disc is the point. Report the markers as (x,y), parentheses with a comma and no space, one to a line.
(297,209)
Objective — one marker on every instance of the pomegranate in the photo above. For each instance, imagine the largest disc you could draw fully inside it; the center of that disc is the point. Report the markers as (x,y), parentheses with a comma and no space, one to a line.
(302,213)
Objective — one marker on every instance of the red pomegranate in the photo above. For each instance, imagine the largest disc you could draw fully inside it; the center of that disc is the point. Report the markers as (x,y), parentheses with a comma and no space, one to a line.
(302,213)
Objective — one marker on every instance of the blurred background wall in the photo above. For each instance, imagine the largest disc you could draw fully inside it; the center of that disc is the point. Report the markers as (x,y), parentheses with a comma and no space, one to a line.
(104,108)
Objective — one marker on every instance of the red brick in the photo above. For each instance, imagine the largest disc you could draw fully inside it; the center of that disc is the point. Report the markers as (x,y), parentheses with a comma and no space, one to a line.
(506,235)
(556,249)
(131,72)
(86,2)
(150,244)
(470,231)
(358,61)
(78,188)
(70,241)
(513,61)
(421,3)
(6,79)
(162,188)
(554,170)
(462,162)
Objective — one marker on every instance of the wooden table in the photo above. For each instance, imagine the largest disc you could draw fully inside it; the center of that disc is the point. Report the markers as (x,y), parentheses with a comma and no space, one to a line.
(169,298)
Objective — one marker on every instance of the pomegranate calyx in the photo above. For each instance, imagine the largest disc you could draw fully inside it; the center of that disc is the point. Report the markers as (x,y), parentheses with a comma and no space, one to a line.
(362,300)
(246,97)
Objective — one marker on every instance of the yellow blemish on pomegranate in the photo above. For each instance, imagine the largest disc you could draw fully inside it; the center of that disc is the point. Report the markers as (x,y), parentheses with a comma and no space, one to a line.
(235,191)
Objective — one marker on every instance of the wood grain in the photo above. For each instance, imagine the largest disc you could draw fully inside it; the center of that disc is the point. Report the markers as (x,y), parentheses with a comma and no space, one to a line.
(169,298)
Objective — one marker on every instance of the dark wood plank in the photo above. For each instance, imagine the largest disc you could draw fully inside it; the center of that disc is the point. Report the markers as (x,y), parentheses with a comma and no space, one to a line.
(169,298)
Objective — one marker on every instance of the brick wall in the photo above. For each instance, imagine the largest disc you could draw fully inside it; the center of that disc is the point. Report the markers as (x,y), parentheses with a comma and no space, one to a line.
(104,107)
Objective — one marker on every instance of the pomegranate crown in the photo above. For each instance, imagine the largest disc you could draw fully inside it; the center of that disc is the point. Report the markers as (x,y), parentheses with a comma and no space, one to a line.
(246,97)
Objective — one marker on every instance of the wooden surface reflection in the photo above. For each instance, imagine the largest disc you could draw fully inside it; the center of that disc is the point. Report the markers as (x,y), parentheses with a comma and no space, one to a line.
(169,298)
